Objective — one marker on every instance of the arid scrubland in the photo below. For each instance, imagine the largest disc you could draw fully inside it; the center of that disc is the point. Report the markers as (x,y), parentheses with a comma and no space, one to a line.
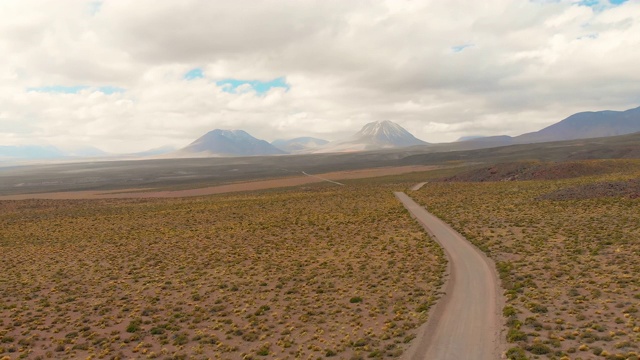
(321,271)
(570,266)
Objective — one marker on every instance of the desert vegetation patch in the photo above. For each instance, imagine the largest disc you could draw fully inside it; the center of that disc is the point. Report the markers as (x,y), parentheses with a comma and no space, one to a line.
(622,188)
(569,266)
(538,170)
(319,272)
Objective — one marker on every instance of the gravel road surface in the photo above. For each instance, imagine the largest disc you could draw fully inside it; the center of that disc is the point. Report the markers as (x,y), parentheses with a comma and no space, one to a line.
(465,323)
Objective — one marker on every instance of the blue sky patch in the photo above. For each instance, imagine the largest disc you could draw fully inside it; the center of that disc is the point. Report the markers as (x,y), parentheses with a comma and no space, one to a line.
(601,3)
(589,3)
(59,89)
(458,48)
(110,89)
(194,74)
(260,87)
(95,6)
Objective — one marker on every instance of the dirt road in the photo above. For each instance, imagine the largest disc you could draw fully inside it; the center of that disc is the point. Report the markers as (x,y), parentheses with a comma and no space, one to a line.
(323,179)
(465,323)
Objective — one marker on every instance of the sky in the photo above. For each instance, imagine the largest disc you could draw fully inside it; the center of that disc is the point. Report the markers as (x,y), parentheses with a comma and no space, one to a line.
(128,76)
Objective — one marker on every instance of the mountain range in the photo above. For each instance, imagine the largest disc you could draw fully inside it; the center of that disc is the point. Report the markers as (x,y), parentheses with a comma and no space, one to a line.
(373,136)
(583,125)
(48,152)
(299,145)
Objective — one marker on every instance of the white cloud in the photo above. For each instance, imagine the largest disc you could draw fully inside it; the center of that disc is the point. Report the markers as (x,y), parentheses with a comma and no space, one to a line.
(347,63)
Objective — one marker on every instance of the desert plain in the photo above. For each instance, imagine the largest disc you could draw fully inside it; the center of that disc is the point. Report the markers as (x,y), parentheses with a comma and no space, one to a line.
(320,270)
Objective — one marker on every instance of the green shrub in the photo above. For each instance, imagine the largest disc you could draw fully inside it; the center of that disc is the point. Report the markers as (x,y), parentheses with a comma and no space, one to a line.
(516,353)
(508,311)
(157,330)
(134,326)
(537,308)
(180,339)
(538,349)
(516,335)
(423,307)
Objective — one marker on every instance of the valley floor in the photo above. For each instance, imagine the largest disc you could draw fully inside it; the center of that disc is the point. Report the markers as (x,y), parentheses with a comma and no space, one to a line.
(323,271)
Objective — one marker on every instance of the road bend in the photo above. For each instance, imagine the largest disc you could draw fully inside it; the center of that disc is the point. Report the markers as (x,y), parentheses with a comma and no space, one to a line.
(465,323)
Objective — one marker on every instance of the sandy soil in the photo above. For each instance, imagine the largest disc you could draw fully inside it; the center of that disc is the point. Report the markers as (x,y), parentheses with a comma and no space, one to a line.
(465,324)
(220,189)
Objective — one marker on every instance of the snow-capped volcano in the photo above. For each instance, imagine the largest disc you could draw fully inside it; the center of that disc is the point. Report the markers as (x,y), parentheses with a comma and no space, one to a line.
(376,135)
(386,134)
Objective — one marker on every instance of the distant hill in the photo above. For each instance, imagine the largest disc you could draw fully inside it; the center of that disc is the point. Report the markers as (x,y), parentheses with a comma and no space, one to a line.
(38,152)
(155,151)
(583,125)
(84,151)
(537,170)
(467,138)
(587,125)
(300,144)
(30,152)
(228,143)
(374,136)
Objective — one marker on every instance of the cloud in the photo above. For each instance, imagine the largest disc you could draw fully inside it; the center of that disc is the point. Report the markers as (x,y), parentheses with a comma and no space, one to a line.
(131,75)
(58,89)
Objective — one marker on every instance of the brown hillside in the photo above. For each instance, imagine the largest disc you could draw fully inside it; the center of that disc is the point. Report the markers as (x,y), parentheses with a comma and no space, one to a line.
(534,170)
(628,188)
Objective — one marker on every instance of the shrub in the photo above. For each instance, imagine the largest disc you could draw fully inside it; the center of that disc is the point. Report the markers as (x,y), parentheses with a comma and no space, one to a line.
(423,307)
(539,349)
(516,335)
(83,346)
(157,330)
(263,351)
(537,308)
(180,339)
(516,353)
(508,311)
(134,326)
(263,309)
